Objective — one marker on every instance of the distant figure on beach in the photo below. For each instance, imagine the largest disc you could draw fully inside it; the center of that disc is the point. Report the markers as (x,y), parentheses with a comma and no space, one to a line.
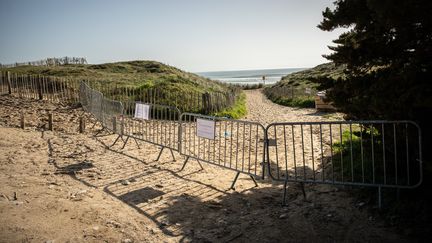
(263,78)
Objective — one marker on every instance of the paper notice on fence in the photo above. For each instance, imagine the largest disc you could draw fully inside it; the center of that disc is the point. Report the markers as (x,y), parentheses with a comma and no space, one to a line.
(142,111)
(206,128)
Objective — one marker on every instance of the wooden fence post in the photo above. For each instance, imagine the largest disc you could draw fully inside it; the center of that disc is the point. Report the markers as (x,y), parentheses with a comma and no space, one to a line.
(81,125)
(206,102)
(22,121)
(39,87)
(50,121)
(9,82)
(114,121)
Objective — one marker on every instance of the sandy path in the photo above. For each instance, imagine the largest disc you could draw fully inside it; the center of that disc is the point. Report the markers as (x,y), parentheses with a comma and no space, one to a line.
(262,110)
(298,148)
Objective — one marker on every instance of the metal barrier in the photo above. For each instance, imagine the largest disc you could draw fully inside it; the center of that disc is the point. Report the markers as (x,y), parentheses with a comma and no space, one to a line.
(85,96)
(357,153)
(382,154)
(232,144)
(160,127)
(92,102)
(112,113)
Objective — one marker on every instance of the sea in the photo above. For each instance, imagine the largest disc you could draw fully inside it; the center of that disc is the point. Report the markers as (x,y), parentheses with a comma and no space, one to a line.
(245,77)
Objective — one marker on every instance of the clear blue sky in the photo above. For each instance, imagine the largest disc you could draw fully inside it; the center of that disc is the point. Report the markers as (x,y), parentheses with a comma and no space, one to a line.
(194,35)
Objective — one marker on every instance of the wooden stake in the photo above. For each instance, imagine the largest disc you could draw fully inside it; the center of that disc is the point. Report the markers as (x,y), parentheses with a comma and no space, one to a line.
(81,125)
(50,121)
(22,121)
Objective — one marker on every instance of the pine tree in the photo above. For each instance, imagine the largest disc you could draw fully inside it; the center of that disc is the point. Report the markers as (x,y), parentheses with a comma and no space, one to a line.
(387,50)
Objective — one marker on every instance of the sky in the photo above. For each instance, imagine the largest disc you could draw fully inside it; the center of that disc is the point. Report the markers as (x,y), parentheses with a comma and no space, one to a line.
(194,35)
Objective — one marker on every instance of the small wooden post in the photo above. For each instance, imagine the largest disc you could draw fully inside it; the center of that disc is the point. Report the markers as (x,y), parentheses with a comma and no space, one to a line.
(114,121)
(39,87)
(22,121)
(81,125)
(206,102)
(50,121)
(9,82)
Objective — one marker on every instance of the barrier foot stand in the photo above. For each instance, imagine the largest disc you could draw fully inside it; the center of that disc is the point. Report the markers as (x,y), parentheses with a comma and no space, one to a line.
(184,164)
(187,159)
(303,190)
(285,193)
(99,131)
(136,142)
(125,142)
(115,141)
(160,153)
(172,154)
(94,124)
(379,198)
(253,179)
(234,182)
(199,163)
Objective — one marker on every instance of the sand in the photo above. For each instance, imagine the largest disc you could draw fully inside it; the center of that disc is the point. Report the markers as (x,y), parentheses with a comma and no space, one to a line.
(62,186)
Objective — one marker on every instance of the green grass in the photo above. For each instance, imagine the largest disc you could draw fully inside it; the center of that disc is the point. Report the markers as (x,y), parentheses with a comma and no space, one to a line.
(301,102)
(237,111)
(370,168)
(250,86)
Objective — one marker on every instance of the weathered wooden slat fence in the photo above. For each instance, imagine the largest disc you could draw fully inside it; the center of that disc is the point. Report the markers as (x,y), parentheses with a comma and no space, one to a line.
(65,90)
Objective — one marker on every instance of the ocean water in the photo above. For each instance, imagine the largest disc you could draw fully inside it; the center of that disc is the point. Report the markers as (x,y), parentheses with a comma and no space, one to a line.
(244,77)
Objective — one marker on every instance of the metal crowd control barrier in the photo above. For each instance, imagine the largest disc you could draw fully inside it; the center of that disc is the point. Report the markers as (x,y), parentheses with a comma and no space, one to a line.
(161,127)
(112,112)
(382,154)
(91,101)
(232,144)
(85,96)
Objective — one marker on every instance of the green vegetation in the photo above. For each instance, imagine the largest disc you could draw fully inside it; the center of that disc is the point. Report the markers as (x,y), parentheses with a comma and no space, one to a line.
(298,89)
(303,79)
(302,102)
(250,86)
(237,111)
(387,54)
(362,168)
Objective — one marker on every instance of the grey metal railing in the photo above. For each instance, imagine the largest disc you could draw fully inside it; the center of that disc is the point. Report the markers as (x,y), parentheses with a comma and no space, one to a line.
(357,153)
(161,127)
(381,154)
(234,144)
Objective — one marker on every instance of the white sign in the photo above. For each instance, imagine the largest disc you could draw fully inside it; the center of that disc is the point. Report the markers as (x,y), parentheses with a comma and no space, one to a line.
(308,91)
(206,128)
(142,111)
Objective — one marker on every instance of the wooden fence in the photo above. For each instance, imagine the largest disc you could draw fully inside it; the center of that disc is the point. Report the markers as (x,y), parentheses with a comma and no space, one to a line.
(66,90)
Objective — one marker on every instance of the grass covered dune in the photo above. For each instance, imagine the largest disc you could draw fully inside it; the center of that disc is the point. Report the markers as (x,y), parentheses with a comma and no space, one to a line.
(130,73)
(291,90)
(142,75)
